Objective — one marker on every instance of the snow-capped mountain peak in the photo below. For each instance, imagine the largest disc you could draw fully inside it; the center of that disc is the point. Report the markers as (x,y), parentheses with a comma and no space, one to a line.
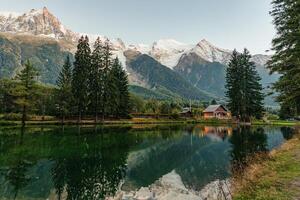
(211,53)
(260,60)
(168,44)
(41,22)
(168,51)
(9,14)
(35,22)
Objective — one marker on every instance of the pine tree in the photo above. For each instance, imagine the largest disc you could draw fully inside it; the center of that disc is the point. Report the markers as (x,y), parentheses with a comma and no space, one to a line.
(64,93)
(113,93)
(24,92)
(213,102)
(96,77)
(107,85)
(233,87)
(286,60)
(80,79)
(121,92)
(252,89)
(244,91)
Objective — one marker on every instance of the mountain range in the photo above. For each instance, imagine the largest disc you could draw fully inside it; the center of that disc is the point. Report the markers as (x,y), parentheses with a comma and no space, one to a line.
(165,69)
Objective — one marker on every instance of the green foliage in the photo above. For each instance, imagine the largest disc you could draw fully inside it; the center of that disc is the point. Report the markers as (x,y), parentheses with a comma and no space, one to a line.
(244,91)
(25,91)
(64,95)
(6,99)
(96,77)
(100,85)
(80,75)
(12,116)
(42,101)
(152,106)
(120,81)
(213,102)
(165,108)
(137,104)
(286,61)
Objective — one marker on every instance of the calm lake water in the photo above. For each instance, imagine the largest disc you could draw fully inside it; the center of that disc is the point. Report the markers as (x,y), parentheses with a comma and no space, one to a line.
(45,162)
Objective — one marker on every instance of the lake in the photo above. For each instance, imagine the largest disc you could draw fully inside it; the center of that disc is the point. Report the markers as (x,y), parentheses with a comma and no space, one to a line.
(53,162)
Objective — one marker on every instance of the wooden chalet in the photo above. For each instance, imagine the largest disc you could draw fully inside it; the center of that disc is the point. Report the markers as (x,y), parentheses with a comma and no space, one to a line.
(216,111)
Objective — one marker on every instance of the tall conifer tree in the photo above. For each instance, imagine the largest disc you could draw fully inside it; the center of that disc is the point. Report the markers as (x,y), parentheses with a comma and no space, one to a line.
(25,90)
(80,75)
(252,89)
(121,93)
(64,93)
(286,60)
(233,84)
(96,77)
(107,86)
(244,91)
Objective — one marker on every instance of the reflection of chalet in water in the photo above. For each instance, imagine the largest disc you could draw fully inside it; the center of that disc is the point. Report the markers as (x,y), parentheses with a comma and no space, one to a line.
(216,111)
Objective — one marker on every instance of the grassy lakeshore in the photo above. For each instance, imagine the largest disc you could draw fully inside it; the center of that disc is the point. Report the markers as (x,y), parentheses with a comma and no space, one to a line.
(54,121)
(277,178)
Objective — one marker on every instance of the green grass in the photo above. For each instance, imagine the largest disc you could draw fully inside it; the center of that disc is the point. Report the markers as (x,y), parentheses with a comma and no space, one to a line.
(276,123)
(274,179)
(36,120)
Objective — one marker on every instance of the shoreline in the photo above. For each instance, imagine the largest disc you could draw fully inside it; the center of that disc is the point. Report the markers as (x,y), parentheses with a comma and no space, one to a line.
(277,177)
(140,121)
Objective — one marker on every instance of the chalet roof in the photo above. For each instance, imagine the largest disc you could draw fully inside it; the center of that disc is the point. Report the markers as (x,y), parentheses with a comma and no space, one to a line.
(213,108)
(185,110)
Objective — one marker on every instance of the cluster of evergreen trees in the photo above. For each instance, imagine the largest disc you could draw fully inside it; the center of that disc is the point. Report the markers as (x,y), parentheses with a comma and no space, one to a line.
(244,91)
(96,85)
(286,60)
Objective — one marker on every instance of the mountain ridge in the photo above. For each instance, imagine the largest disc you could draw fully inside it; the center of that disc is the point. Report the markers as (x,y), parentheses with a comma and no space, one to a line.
(201,64)
(41,22)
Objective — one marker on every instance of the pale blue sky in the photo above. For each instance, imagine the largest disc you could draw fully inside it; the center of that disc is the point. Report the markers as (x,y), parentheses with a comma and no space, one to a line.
(226,23)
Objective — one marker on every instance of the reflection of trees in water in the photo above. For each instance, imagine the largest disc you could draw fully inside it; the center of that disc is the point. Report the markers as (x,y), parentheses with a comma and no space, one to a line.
(95,173)
(246,143)
(287,132)
(17,177)
(85,163)
(208,163)
(17,172)
(59,177)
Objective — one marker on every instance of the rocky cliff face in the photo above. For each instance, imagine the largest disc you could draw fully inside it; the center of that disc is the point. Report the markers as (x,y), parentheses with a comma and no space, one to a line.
(36,22)
(47,55)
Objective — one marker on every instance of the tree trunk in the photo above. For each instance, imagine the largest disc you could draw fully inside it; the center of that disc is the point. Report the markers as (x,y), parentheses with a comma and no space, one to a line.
(43,116)
(79,115)
(96,110)
(24,115)
(63,119)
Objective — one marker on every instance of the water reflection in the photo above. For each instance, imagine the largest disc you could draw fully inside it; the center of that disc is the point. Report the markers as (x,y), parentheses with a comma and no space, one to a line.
(94,162)
(246,142)
(287,132)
